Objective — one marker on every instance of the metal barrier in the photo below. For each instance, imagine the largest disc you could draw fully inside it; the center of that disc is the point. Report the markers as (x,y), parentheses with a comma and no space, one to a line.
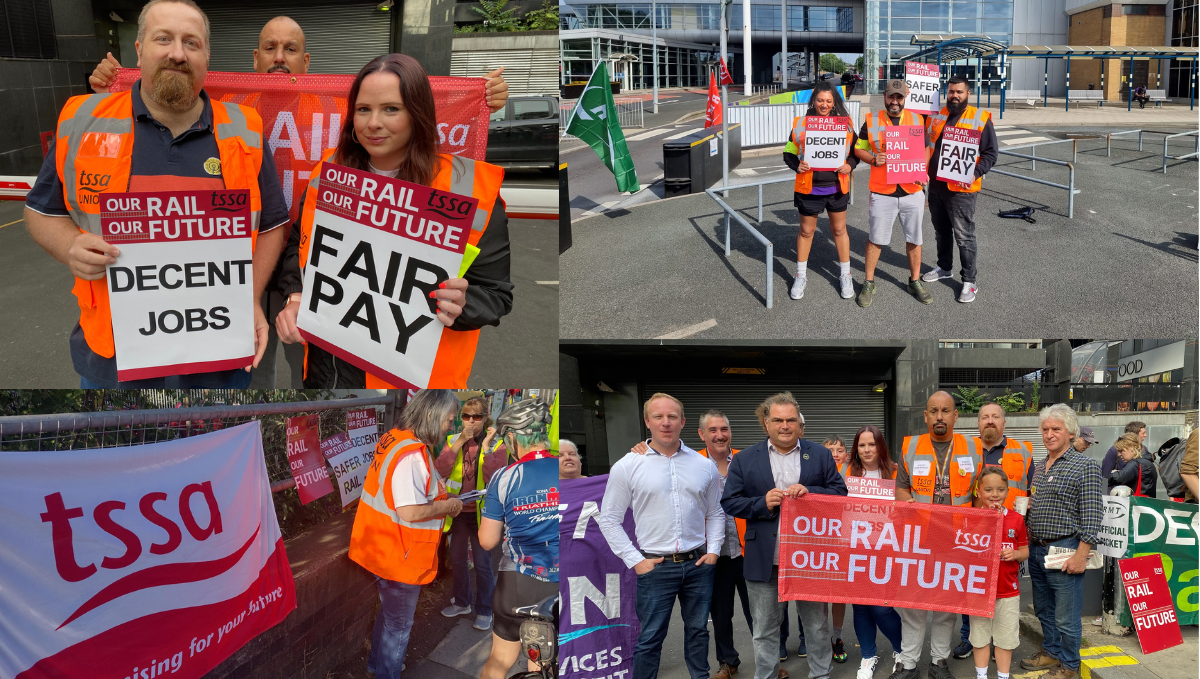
(1069,187)
(629,111)
(1033,149)
(770,124)
(1167,140)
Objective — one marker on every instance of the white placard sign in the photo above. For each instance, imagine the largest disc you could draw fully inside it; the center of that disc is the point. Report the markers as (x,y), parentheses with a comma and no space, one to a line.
(379,248)
(960,153)
(924,87)
(825,142)
(350,454)
(1113,538)
(181,292)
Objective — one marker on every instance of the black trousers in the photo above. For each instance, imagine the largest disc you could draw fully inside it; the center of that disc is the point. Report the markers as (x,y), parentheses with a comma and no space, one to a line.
(953,217)
(727,579)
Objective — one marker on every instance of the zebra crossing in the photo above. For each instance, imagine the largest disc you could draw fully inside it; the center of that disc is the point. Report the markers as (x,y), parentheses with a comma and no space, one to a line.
(1005,133)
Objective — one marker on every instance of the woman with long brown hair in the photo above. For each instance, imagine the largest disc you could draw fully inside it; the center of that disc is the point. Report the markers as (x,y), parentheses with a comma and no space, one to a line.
(391,130)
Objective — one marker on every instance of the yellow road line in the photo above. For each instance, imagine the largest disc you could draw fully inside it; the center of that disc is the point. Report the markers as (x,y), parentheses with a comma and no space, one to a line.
(11,223)
(1097,650)
(1087,665)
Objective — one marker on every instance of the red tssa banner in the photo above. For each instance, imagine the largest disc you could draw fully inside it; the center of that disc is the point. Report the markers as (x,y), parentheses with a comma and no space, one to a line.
(885,553)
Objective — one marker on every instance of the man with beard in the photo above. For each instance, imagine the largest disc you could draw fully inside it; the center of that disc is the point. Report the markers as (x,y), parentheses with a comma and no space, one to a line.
(891,200)
(938,467)
(164,134)
(952,204)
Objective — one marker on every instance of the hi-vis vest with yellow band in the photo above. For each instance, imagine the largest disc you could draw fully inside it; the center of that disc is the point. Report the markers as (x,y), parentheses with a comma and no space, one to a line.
(971,119)
(804,179)
(454,483)
(1015,461)
(95,137)
(740,523)
(381,541)
(965,462)
(455,174)
(875,125)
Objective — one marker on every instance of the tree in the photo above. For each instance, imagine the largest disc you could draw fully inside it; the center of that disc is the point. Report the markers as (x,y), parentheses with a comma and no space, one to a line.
(858,65)
(496,19)
(970,399)
(832,64)
(544,19)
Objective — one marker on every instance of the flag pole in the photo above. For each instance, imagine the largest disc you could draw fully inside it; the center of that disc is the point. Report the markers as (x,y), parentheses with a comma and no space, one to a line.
(654,40)
(724,107)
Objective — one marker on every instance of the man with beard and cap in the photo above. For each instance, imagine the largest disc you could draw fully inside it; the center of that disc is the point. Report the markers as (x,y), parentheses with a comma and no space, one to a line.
(952,204)
(891,200)
(938,467)
(163,134)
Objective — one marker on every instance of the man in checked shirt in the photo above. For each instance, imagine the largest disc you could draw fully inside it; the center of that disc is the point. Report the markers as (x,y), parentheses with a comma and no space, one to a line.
(1065,509)
(675,494)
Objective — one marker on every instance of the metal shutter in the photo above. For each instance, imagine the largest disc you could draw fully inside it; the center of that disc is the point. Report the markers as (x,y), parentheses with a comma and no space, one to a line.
(340,38)
(527,71)
(828,409)
(27,29)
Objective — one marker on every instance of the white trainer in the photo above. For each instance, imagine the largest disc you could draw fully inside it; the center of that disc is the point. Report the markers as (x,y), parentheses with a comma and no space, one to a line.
(866,669)
(797,290)
(937,274)
(847,286)
(897,663)
(968,293)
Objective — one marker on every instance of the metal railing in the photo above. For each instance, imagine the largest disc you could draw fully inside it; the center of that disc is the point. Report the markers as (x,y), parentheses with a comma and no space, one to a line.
(1033,149)
(629,111)
(1167,140)
(1069,186)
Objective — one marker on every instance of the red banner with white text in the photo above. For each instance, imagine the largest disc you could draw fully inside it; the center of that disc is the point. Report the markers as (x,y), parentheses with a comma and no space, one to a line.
(303,114)
(882,553)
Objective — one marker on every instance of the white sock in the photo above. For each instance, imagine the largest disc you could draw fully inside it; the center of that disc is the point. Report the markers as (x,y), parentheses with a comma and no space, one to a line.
(844,268)
(837,633)
(801,269)
(1001,675)
(981,672)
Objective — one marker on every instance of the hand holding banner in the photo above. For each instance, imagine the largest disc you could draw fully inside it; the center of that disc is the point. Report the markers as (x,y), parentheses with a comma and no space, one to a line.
(924,87)
(186,264)
(904,150)
(931,557)
(825,142)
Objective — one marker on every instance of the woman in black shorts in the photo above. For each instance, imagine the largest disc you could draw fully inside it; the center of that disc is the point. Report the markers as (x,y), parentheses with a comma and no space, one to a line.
(818,190)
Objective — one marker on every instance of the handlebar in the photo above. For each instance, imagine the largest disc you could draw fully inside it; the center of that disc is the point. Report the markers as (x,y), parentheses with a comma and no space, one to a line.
(546,609)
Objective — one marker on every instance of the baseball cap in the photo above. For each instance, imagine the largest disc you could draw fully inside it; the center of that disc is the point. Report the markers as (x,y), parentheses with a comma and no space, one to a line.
(896,86)
(1086,434)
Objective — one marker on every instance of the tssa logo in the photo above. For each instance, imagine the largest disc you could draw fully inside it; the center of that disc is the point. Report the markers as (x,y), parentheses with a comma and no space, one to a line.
(972,542)
(87,180)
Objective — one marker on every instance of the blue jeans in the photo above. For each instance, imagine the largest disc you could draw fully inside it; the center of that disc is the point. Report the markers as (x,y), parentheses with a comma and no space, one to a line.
(656,592)
(965,632)
(868,619)
(393,625)
(1058,602)
(237,379)
(464,535)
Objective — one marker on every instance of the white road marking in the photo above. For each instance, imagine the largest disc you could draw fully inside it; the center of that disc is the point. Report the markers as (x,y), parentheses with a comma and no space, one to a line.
(745,172)
(648,135)
(1024,140)
(599,208)
(546,282)
(681,134)
(1002,127)
(1010,132)
(690,330)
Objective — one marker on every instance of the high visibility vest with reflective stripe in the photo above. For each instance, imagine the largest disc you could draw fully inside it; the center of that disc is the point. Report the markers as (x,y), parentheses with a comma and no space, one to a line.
(95,136)
(875,125)
(804,179)
(454,483)
(920,448)
(381,541)
(740,523)
(455,174)
(971,119)
(1016,460)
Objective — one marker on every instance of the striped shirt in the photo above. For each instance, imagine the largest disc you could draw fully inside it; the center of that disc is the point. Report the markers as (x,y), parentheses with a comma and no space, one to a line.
(1066,499)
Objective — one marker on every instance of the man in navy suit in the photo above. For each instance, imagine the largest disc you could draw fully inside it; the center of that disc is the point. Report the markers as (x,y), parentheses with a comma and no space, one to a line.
(759,478)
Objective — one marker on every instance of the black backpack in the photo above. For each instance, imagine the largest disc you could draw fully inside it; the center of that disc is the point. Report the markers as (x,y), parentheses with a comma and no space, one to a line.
(1170,455)
(1024,212)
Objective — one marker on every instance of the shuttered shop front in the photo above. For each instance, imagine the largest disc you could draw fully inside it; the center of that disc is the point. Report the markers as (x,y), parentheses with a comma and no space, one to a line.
(526,70)
(828,409)
(340,38)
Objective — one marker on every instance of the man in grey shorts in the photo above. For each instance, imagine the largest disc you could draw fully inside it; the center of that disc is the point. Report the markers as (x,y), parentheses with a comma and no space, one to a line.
(890,200)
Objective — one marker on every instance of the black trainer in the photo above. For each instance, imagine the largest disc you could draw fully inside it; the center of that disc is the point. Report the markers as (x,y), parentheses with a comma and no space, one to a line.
(941,670)
(839,651)
(902,673)
(963,650)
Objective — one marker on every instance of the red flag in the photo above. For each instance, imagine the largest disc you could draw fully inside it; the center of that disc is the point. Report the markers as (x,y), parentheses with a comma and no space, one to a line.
(725,79)
(713,115)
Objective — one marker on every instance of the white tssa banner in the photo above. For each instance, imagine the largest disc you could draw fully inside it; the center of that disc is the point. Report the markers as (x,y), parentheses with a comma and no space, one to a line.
(379,248)
(825,142)
(960,153)
(141,561)
(924,87)
(182,289)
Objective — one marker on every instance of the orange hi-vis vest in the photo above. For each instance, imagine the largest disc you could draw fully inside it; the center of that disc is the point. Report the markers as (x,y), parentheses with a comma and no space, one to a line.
(381,541)
(1015,461)
(804,179)
(95,136)
(740,523)
(455,174)
(971,119)
(965,463)
(875,125)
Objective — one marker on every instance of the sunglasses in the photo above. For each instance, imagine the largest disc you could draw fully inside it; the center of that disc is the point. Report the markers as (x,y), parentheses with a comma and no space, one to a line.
(473,418)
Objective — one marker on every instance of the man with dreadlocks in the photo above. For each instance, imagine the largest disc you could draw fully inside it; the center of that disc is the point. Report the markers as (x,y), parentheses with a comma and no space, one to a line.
(522,500)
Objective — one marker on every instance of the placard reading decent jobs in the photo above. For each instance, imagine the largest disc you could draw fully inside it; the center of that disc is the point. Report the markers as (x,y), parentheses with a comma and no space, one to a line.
(825,142)
(182,289)
(379,247)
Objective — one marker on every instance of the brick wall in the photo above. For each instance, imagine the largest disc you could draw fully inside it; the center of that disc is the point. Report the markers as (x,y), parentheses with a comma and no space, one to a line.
(1094,28)
(335,608)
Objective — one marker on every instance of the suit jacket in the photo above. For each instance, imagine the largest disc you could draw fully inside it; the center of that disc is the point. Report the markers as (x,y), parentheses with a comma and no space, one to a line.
(745,497)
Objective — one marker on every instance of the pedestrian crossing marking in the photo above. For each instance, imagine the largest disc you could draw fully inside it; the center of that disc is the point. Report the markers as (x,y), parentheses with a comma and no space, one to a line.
(1024,140)
(1097,650)
(648,135)
(1088,664)
(1010,131)
(681,134)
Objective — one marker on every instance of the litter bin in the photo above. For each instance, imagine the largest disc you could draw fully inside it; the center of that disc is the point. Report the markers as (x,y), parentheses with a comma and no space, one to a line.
(692,164)
(564,211)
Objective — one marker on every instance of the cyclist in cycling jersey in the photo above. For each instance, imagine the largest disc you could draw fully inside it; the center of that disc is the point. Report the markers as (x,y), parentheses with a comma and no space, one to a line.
(522,499)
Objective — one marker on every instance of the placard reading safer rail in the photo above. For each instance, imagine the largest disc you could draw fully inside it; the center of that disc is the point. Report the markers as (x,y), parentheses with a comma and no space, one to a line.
(182,289)
(379,247)
(825,142)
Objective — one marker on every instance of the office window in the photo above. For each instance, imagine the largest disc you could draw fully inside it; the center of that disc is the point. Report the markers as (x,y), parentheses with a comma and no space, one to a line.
(966,10)
(911,25)
(27,29)
(906,9)
(966,25)
(935,25)
(997,10)
(935,9)
(1001,27)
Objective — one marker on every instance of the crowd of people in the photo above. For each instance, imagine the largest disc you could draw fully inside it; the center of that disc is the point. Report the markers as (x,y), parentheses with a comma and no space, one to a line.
(707,522)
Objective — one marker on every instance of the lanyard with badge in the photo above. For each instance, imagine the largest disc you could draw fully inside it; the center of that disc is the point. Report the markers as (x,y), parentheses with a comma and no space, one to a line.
(941,487)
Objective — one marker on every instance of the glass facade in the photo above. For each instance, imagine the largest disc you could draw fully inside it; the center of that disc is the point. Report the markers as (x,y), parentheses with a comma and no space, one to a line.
(1183,34)
(677,66)
(707,16)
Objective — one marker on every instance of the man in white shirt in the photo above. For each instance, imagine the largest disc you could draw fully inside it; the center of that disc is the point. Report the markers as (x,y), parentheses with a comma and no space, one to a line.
(675,496)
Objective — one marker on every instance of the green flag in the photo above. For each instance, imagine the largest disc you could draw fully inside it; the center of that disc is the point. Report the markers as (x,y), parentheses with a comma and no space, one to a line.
(594,120)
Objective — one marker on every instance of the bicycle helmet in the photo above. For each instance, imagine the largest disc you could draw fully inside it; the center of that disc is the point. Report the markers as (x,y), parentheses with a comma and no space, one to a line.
(523,418)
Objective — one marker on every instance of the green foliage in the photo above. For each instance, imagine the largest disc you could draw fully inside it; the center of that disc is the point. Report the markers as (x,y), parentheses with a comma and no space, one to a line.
(1011,402)
(1035,397)
(543,19)
(858,65)
(970,399)
(830,63)
(496,19)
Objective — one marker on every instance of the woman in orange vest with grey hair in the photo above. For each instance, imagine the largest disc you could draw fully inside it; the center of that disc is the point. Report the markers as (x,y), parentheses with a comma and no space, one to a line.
(821,190)
(392,131)
(399,522)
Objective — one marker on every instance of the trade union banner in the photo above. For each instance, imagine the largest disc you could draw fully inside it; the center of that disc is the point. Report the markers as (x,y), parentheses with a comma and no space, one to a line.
(303,114)
(910,555)
(597,624)
(380,248)
(182,289)
(1168,529)
(142,561)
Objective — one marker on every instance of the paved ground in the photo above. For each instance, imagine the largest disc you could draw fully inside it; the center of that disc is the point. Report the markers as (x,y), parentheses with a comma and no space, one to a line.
(1127,259)
(40,312)
(1105,656)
